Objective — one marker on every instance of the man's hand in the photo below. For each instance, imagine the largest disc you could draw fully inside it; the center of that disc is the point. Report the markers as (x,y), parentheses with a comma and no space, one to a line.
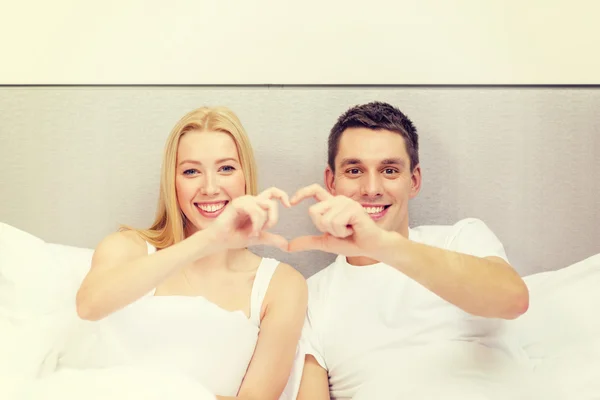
(347,228)
(246,219)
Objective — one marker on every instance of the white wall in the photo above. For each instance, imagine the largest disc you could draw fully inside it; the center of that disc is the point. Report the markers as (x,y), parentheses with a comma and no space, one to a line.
(304,42)
(75,162)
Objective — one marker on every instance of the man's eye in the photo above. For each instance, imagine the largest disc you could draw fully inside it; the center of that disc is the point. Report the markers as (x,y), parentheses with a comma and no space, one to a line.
(353,171)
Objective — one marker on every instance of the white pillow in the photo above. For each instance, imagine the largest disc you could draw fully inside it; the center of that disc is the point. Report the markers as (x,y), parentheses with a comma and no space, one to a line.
(38,278)
(72,264)
(24,267)
(38,283)
(564,309)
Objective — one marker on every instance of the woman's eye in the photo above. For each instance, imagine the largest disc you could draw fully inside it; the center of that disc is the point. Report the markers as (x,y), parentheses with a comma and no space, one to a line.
(227,168)
(190,171)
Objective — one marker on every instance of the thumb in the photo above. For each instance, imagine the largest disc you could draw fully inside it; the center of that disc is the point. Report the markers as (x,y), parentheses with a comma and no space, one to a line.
(304,243)
(271,239)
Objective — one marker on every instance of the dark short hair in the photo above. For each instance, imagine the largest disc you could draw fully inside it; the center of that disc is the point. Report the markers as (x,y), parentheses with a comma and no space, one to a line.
(375,115)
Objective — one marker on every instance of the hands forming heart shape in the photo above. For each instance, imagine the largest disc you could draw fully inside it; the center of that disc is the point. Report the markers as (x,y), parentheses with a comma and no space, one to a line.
(347,228)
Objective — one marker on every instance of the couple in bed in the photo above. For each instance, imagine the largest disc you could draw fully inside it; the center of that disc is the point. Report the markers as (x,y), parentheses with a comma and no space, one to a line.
(402,311)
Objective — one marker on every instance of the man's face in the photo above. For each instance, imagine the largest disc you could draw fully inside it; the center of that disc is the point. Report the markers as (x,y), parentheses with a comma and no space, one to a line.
(373,168)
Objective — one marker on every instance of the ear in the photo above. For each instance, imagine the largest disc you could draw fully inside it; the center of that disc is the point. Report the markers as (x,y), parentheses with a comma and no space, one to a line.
(330,180)
(415,182)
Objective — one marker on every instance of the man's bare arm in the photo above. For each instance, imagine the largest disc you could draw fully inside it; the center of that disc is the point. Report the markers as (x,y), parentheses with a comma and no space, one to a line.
(315,382)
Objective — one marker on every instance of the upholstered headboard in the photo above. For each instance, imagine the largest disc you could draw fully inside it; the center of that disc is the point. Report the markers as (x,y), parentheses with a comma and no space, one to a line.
(77,161)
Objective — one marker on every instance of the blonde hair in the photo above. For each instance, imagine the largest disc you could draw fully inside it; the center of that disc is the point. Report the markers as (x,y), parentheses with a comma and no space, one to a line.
(170,222)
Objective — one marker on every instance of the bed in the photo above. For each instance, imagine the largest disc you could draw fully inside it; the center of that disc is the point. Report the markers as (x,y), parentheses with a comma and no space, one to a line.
(560,333)
(83,160)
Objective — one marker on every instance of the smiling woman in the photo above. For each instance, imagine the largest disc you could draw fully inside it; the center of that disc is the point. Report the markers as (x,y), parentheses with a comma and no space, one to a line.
(208,177)
(206,144)
(186,293)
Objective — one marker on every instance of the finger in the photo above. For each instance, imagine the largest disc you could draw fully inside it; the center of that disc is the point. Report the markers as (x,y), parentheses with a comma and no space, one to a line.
(316,212)
(343,223)
(339,224)
(306,243)
(335,223)
(258,216)
(314,191)
(325,220)
(272,210)
(325,242)
(334,214)
(259,219)
(275,193)
(320,208)
(271,239)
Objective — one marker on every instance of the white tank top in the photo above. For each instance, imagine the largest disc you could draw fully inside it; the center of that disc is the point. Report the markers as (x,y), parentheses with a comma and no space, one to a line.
(188,334)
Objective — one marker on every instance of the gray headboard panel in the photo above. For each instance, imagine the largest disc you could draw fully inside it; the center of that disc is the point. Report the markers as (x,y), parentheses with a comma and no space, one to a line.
(77,161)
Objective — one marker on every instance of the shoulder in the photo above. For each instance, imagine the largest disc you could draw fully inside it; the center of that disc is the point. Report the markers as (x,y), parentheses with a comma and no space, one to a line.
(468,235)
(321,275)
(469,223)
(286,296)
(287,274)
(321,284)
(470,229)
(288,284)
(124,243)
(443,235)
(473,236)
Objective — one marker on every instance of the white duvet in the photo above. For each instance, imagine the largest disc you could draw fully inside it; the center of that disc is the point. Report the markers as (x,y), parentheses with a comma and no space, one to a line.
(560,332)
(112,384)
(29,351)
(28,370)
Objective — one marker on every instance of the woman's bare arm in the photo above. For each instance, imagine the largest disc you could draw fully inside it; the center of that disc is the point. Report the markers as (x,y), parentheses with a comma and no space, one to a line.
(280,331)
(122,271)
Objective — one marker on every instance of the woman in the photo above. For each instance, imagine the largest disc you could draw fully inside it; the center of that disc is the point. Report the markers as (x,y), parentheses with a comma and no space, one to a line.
(187,294)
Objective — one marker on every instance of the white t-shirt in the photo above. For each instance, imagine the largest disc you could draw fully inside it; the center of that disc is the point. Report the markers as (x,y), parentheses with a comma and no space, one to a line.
(376,330)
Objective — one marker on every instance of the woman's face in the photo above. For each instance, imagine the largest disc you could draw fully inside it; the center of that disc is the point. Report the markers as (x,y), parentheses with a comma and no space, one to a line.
(208,176)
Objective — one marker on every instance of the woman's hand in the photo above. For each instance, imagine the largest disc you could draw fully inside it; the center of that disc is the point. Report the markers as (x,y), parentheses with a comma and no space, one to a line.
(246,219)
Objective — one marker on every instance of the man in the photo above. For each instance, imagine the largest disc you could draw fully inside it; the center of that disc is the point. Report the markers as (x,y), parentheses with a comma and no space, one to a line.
(402,310)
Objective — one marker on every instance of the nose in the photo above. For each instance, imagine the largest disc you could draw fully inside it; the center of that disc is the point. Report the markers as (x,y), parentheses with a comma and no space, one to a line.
(371,185)
(210,185)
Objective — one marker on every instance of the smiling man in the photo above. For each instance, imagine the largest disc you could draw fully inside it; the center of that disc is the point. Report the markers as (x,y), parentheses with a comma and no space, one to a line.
(402,311)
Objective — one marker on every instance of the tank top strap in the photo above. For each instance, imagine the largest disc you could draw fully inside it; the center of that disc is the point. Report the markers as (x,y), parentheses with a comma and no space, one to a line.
(151,250)
(265,272)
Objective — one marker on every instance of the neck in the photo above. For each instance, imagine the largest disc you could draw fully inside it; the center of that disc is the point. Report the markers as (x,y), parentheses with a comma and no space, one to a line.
(222,260)
(361,261)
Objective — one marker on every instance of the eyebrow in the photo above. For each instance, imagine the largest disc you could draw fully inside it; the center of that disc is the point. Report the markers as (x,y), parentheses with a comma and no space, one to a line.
(220,161)
(387,161)
(393,161)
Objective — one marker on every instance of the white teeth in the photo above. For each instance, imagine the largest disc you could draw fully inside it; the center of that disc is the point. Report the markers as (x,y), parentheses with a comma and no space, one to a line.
(374,210)
(211,207)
